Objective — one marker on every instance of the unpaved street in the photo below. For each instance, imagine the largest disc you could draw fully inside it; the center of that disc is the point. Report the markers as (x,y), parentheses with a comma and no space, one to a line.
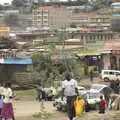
(25,109)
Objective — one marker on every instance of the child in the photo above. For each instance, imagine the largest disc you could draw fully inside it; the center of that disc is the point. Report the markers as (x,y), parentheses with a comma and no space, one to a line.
(102,105)
(87,106)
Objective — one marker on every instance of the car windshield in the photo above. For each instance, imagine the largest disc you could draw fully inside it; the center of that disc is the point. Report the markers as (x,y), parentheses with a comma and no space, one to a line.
(96,87)
(94,95)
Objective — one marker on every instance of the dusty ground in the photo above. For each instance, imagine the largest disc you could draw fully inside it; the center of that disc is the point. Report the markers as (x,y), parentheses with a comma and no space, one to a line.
(27,106)
(25,109)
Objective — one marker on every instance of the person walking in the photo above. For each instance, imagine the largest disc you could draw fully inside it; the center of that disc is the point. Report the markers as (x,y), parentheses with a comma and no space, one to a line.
(91,76)
(7,110)
(1,99)
(70,91)
(40,93)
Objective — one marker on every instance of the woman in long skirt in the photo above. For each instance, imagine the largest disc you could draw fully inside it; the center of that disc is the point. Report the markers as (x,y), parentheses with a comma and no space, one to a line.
(7,110)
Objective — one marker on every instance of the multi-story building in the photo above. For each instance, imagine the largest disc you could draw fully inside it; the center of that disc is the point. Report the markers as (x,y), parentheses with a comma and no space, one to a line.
(100,21)
(51,16)
(55,16)
(59,17)
(41,18)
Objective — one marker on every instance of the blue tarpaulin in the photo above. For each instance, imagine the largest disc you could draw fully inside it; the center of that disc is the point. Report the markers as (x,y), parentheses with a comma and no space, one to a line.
(17,60)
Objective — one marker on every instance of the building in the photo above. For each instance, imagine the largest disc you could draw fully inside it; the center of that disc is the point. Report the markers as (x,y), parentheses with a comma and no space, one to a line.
(59,17)
(115,9)
(100,21)
(41,17)
(4,30)
(51,16)
(111,55)
(92,37)
(79,19)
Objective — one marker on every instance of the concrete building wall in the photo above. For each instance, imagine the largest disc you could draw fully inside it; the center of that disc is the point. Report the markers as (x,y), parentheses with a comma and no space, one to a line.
(59,17)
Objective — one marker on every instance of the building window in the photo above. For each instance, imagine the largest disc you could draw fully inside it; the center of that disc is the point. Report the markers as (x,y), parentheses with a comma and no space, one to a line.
(45,17)
(81,37)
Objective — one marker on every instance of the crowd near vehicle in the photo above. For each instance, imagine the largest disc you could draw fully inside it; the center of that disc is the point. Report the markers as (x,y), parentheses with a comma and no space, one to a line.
(60,104)
(92,96)
(108,75)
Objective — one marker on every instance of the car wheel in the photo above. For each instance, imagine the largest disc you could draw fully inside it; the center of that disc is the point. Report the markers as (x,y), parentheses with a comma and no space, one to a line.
(106,79)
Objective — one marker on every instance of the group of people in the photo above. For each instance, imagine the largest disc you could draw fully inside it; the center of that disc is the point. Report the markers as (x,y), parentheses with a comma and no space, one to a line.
(76,104)
(6,107)
(45,93)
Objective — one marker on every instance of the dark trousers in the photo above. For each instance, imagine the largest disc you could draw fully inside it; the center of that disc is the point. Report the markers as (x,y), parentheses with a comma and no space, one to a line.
(70,107)
(102,110)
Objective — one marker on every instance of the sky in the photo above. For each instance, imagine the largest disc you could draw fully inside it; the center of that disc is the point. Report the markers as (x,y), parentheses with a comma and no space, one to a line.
(9,1)
(5,1)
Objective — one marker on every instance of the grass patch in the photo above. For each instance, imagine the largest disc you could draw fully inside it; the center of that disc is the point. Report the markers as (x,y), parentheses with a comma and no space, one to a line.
(21,93)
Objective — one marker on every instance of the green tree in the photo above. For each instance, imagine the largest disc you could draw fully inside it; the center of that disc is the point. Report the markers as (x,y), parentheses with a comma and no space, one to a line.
(54,63)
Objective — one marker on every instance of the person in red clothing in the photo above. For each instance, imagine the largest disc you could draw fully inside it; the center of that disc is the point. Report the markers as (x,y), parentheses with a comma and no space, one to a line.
(102,105)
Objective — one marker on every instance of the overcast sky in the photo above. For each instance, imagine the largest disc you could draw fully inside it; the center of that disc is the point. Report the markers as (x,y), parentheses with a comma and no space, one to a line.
(9,1)
(5,1)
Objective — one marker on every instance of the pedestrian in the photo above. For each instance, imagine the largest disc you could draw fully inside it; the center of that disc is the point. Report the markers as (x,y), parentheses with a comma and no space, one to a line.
(1,99)
(70,91)
(1,106)
(102,105)
(7,110)
(40,93)
(91,76)
(87,106)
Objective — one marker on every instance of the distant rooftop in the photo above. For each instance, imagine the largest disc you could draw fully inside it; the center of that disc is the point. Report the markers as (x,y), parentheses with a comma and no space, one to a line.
(71,3)
(115,4)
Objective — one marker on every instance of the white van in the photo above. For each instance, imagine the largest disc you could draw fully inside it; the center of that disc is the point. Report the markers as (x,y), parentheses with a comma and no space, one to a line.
(110,75)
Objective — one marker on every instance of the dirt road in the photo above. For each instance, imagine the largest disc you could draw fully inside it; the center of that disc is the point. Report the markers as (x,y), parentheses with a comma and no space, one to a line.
(25,109)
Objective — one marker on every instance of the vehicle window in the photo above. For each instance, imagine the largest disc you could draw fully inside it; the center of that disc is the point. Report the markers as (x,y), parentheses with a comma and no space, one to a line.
(106,72)
(117,73)
(96,87)
(111,73)
(94,95)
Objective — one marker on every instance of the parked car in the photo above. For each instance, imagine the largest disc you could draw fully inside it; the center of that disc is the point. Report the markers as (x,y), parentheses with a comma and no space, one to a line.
(108,75)
(98,87)
(93,99)
(92,96)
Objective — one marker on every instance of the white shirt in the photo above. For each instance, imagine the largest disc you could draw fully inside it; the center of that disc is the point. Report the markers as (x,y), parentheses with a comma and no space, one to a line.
(69,87)
(1,90)
(7,93)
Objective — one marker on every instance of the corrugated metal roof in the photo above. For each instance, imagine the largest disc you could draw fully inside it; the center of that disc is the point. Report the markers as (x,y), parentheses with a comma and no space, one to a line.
(17,60)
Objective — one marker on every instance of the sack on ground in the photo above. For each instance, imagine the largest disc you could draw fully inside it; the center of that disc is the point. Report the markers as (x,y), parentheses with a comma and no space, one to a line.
(79,106)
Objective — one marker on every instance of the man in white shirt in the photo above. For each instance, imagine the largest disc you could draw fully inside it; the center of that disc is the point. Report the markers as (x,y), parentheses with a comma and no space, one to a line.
(70,91)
